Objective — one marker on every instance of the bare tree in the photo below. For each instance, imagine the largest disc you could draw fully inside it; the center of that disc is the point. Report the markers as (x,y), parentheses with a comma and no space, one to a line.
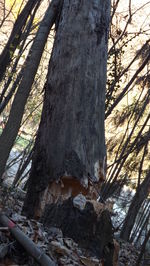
(15,37)
(10,131)
(138,199)
(71,138)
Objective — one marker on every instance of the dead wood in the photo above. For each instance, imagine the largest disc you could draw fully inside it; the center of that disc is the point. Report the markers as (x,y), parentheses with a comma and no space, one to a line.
(91,231)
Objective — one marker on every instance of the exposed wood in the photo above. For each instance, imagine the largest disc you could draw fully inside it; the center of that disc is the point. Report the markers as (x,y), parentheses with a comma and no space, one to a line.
(64,188)
(116,253)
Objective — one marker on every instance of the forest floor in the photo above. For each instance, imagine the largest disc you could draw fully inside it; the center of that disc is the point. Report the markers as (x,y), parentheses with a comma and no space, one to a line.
(62,250)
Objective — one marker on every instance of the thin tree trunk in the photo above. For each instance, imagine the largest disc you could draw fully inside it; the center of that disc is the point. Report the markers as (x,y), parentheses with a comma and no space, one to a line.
(15,37)
(122,94)
(143,249)
(143,227)
(137,201)
(12,126)
(21,170)
(111,88)
(4,99)
(71,139)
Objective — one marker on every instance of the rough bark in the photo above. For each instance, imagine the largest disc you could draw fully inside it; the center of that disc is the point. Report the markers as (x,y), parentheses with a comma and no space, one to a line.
(91,231)
(71,137)
(137,201)
(10,131)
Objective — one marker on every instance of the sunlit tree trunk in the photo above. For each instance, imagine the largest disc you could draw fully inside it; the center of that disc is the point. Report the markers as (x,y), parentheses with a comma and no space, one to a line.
(71,139)
(136,203)
(15,37)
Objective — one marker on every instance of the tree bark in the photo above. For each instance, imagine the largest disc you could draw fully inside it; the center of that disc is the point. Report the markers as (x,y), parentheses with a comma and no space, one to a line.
(137,201)
(10,131)
(89,230)
(71,139)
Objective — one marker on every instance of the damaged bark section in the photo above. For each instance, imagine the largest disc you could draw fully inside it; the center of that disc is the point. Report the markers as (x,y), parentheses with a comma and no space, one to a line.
(91,231)
(71,139)
(63,189)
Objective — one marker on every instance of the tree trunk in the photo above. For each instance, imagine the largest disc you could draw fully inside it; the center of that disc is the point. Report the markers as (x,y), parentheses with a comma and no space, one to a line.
(15,37)
(10,131)
(89,230)
(71,139)
(137,201)
(143,248)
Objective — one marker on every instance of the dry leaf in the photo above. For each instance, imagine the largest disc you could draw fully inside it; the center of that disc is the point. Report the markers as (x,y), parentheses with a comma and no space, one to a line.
(90,261)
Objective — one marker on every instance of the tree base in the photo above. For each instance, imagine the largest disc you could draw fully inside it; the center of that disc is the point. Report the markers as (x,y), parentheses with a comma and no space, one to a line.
(90,230)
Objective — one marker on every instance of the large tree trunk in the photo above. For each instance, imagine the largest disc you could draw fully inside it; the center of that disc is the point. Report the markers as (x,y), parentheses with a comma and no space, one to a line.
(71,139)
(137,201)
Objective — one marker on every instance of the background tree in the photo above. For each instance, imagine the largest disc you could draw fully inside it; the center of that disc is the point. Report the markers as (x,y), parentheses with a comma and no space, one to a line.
(22,94)
(127,118)
(16,36)
(136,203)
(127,99)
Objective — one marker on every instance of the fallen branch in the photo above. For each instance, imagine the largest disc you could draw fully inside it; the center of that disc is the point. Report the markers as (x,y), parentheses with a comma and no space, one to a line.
(26,242)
